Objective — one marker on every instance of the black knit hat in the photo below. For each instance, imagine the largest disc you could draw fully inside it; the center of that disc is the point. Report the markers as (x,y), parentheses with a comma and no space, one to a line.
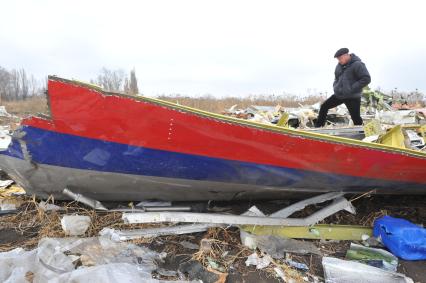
(340,52)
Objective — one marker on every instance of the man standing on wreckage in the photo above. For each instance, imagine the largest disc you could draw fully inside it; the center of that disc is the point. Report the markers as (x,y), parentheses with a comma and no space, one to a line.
(351,76)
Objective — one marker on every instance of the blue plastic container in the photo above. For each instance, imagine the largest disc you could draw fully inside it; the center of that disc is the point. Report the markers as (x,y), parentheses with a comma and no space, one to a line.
(403,238)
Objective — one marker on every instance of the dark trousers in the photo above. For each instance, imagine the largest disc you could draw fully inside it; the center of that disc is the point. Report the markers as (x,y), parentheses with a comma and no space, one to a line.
(353,105)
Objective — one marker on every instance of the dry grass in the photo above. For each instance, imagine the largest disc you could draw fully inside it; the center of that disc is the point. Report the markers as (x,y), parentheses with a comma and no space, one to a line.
(218,105)
(33,223)
(221,242)
(33,105)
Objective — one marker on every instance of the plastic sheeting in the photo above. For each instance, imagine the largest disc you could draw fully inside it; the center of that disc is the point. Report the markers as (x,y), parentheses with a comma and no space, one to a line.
(111,273)
(15,264)
(343,271)
(79,260)
(403,238)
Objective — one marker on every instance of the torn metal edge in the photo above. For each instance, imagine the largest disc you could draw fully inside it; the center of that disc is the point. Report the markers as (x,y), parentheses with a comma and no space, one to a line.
(95,204)
(124,235)
(192,217)
(289,210)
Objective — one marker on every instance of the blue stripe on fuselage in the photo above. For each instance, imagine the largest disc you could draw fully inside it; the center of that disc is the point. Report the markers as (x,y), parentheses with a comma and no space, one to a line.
(53,148)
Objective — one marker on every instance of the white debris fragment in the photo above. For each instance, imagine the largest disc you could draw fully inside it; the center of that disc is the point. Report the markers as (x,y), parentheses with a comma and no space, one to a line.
(48,206)
(415,139)
(372,138)
(399,117)
(253,211)
(3,112)
(75,225)
(280,273)
(5,183)
(365,237)
(147,203)
(248,239)
(5,138)
(259,262)
(5,205)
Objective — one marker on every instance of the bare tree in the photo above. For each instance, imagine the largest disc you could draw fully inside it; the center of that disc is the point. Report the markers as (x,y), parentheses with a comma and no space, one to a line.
(33,86)
(111,80)
(15,86)
(4,83)
(126,87)
(133,82)
(24,88)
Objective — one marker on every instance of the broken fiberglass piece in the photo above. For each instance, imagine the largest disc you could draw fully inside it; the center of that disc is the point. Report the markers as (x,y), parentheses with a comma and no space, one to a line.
(179,153)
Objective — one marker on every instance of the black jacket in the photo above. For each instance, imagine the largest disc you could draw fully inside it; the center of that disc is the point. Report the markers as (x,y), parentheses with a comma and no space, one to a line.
(350,78)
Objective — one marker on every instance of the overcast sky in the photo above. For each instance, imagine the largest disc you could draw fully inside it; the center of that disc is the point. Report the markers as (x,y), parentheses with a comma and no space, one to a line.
(217,47)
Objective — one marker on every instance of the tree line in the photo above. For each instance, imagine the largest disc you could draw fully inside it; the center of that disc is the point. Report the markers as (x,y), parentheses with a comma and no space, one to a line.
(17,84)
